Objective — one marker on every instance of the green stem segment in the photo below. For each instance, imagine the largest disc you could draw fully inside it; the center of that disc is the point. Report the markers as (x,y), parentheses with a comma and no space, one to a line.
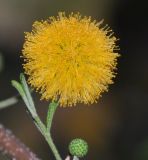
(8,102)
(51,111)
(24,91)
(44,131)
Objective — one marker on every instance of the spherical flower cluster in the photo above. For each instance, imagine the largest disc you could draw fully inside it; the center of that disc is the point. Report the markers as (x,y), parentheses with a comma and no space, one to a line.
(78,147)
(70,58)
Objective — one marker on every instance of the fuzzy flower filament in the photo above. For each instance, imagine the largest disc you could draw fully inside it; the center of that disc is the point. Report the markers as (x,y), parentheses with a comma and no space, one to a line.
(70,58)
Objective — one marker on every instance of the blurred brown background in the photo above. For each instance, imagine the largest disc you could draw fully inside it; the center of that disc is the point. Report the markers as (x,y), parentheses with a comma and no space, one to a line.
(117,127)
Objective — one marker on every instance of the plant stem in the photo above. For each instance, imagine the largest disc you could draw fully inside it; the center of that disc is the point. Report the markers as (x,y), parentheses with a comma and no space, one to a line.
(8,102)
(53,147)
(51,111)
(48,137)
(24,91)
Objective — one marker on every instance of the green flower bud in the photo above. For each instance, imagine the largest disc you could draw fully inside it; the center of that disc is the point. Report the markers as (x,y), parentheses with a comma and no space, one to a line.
(78,147)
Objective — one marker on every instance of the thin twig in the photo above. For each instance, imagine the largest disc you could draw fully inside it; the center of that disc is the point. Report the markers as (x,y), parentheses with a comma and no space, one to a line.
(9,102)
(10,145)
(24,91)
(42,128)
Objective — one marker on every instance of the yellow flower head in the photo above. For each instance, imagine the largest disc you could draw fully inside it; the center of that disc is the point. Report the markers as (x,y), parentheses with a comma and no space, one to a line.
(70,58)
